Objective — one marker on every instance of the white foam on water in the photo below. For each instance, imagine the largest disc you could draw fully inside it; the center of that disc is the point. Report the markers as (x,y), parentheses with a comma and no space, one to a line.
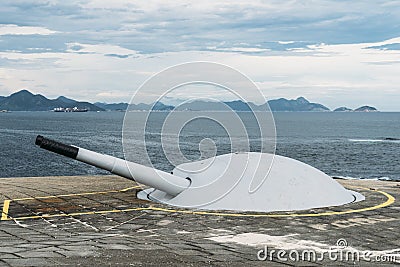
(374,141)
(386,179)
(383,178)
(347,177)
(365,140)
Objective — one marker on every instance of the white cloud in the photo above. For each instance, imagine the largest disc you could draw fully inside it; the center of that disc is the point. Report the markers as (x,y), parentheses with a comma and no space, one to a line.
(342,76)
(285,42)
(12,29)
(104,49)
(240,49)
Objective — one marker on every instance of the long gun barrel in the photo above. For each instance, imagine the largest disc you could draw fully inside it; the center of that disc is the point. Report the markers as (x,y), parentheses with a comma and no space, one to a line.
(163,181)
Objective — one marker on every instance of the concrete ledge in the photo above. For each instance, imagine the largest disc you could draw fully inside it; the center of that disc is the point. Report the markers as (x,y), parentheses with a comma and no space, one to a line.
(90,220)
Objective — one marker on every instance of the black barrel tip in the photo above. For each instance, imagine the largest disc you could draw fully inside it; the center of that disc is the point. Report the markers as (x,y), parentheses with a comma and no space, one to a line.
(57,147)
(39,140)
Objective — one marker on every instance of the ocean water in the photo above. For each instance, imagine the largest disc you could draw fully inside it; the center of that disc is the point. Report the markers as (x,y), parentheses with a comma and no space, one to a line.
(350,145)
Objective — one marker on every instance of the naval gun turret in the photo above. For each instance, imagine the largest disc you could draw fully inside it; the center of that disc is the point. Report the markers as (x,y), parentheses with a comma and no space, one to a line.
(171,184)
(234,181)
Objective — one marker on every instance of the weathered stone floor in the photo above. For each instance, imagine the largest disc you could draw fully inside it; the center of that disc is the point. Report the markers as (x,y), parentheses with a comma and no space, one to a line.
(98,220)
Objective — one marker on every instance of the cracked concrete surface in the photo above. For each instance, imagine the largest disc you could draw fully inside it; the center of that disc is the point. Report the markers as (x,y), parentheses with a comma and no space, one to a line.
(78,227)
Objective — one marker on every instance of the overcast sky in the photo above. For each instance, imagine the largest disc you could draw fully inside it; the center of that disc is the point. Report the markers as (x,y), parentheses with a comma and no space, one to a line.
(333,52)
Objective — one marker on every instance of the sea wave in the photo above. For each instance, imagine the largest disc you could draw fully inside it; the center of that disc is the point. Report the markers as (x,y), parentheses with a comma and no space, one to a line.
(384,140)
(384,178)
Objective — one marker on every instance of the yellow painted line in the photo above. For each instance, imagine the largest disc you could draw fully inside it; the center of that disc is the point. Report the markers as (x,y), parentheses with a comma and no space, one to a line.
(78,213)
(78,194)
(130,188)
(390,200)
(4,214)
(6,204)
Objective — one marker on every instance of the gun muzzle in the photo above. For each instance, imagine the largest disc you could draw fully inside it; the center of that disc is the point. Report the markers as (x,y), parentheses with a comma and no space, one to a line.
(163,181)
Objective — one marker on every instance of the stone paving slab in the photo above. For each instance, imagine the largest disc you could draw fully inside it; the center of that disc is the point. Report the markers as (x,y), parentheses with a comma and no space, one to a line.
(97,220)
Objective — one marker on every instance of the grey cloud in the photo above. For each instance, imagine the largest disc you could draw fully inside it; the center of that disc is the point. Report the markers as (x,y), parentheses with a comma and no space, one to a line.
(183,28)
(27,64)
(116,55)
(394,46)
(382,63)
(25,43)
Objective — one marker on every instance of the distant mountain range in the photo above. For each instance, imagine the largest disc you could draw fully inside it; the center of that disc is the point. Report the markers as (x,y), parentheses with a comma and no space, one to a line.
(282,104)
(366,109)
(300,104)
(141,106)
(26,101)
(360,109)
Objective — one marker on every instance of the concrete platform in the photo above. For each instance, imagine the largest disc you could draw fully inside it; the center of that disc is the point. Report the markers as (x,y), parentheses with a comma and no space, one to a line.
(98,220)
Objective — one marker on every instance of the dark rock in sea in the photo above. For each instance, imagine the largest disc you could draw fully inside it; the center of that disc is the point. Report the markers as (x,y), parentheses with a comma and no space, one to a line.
(366,109)
(343,109)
